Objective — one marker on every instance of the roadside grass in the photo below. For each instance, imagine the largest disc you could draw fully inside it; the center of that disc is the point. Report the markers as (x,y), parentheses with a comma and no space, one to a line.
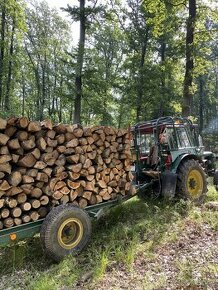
(128,230)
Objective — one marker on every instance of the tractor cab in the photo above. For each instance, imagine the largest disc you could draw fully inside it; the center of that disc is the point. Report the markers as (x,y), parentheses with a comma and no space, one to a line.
(168,157)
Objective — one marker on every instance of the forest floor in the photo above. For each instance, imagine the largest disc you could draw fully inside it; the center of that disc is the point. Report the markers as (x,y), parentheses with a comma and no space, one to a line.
(138,245)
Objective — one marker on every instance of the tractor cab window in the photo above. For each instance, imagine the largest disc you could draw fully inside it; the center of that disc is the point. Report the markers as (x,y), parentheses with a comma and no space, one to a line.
(183,140)
(145,141)
(168,138)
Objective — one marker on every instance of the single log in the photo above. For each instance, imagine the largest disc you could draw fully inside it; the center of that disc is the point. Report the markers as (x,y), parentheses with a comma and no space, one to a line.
(4,186)
(44,200)
(51,142)
(51,134)
(21,198)
(17,221)
(36,192)
(73,195)
(34,126)
(25,206)
(27,161)
(52,183)
(42,211)
(59,185)
(76,168)
(14,144)
(4,149)
(61,149)
(27,188)
(61,160)
(22,135)
(27,179)
(62,175)
(5,212)
(65,190)
(34,215)
(60,138)
(3,124)
(3,139)
(65,199)
(22,122)
(35,203)
(93,199)
(41,144)
(73,143)
(32,172)
(72,184)
(102,184)
(78,132)
(73,176)
(2,202)
(83,202)
(40,165)
(9,131)
(87,195)
(47,124)
(47,171)
(10,202)
(8,222)
(28,144)
(26,218)
(57,195)
(16,212)
(73,158)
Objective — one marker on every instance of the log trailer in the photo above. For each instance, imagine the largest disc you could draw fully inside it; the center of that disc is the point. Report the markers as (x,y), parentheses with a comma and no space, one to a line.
(169,161)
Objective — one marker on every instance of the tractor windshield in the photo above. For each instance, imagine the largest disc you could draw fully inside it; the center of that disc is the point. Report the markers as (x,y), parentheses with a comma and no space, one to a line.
(145,141)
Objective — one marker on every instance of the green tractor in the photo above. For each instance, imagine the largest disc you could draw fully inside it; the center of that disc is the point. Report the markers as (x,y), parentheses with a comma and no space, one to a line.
(169,159)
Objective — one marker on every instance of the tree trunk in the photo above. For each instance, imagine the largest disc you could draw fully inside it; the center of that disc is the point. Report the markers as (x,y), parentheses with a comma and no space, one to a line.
(80,58)
(201,103)
(187,89)
(2,48)
(140,84)
(8,85)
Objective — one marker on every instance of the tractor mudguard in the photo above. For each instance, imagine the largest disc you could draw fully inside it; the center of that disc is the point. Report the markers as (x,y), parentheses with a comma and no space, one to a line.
(168,184)
(178,160)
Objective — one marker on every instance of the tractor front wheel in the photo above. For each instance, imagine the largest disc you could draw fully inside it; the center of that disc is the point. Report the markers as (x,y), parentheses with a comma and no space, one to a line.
(191,183)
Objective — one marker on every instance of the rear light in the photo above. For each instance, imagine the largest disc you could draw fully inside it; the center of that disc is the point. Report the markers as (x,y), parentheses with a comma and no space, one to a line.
(168,161)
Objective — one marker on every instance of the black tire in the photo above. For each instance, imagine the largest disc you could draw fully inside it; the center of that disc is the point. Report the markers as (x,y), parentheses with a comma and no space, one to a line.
(215,179)
(191,182)
(65,230)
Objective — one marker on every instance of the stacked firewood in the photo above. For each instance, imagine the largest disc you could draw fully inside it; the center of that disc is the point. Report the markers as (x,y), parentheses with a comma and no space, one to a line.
(44,165)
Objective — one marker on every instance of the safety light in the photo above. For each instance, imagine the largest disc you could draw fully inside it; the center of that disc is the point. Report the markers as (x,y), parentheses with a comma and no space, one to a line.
(13,237)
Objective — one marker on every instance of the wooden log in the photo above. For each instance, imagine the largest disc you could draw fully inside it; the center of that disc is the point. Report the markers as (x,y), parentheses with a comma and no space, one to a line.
(65,190)
(40,165)
(42,211)
(17,221)
(5,212)
(73,195)
(4,186)
(16,212)
(13,191)
(26,206)
(57,195)
(21,198)
(41,176)
(47,124)
(51,134)
(2,192)
(8,222)
(27,188)
(41,144)
(83,202)
(3,139)
(60,138)
(73,176)
(5,158)
(27,179)
(27,161)
(36,192)
(59,185)
(73,143)
(34,126)
(76,168)
(73,158)
(44,200)
(32,172)
(5,167)
(2,202)
(28,144)
(22,135)
(62,175)
(35,203)
(47,171)
(4,149)
(26,218)
(34,215)
(22,122)
(73,184)
(14,144)
(3,124)
(65,199)
(15,158)
(36,153)
(10,131)
(87,195)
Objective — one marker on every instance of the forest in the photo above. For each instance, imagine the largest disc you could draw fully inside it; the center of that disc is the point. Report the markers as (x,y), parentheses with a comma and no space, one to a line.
(134,60)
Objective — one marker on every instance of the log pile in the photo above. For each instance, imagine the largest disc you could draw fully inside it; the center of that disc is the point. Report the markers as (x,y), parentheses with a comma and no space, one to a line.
(43,165)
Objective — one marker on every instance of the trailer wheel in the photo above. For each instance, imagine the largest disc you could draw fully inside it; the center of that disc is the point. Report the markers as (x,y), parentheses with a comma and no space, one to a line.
(191,183)
(65,230)
(215,179)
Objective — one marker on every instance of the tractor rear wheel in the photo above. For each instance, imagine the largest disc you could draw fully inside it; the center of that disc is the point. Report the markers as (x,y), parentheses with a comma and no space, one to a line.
(191,183)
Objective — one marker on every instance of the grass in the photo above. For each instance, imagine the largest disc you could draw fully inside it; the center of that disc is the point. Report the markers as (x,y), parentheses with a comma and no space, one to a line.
(130,230)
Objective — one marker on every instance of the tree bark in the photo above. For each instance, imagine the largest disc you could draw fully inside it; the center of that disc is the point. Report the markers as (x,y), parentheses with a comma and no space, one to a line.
(79,67)
(187,89)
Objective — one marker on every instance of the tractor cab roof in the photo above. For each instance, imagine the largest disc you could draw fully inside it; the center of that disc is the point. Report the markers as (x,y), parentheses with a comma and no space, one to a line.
(160,124)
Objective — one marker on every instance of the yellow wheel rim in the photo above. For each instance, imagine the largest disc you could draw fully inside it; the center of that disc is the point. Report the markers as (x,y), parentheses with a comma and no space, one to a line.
(195,184)
(70,233)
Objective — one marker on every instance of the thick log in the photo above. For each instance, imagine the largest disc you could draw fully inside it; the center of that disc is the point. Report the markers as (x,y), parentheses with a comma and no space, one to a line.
(5,212)
(27,179)
(3,139)
(65,199)
(10,131)
(73,143)
(73,176)
(3,124)
(4,186)
(15,158)
(14,144)
(27,161)
(16,212)
(17,221)
(2,202)
(42,211)
(26,218)
(34,215)
(32,172)
(28,144)
(10,202)
(26,206)
(13,191)
(22,122)
(83,202)
(36,153)
(40,165)
(35,203)
(44,200)
(41,176)
(21,198)
(34,126)
(22,135)
(4,149)
(8,222)
(36,192)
